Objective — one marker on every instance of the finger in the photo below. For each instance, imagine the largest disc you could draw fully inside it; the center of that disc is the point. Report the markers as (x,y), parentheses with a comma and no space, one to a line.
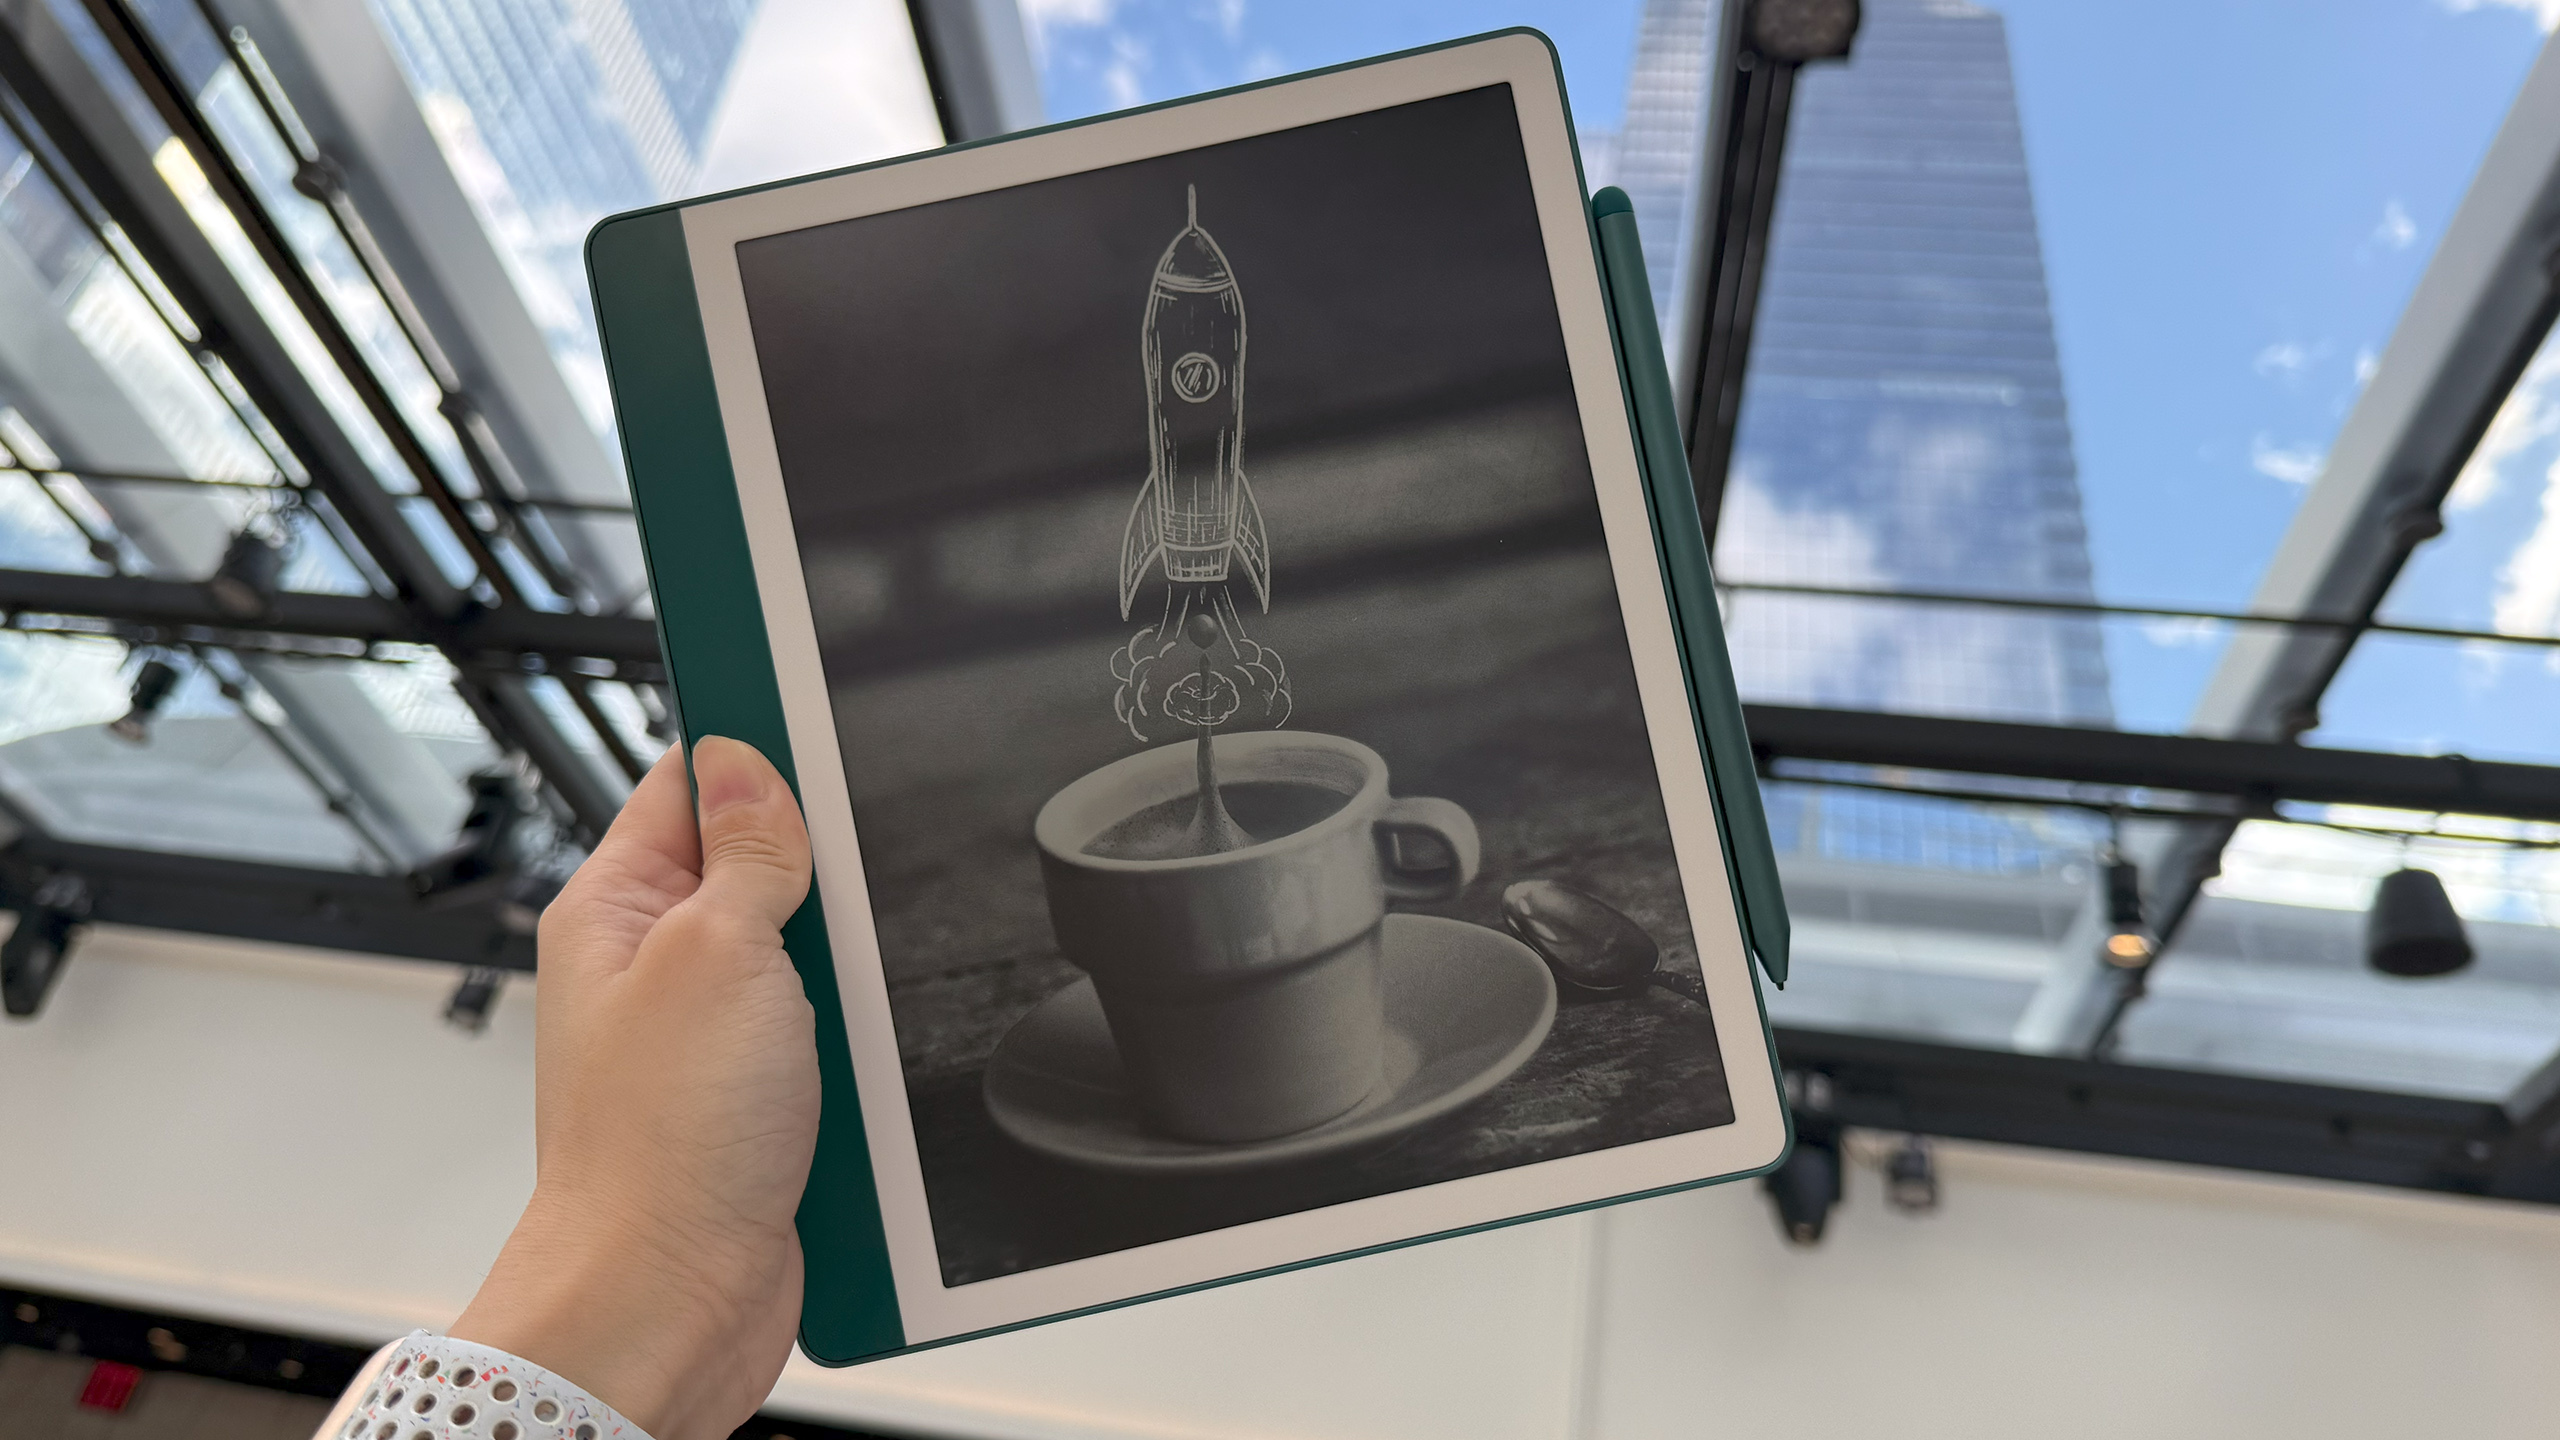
(647,863)
(755,850)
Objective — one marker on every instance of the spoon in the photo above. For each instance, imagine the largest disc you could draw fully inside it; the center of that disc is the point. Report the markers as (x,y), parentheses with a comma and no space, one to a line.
(1588,943)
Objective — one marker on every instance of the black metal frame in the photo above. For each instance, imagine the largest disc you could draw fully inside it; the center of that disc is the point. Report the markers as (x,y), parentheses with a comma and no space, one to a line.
(2258,773)
(1751,86)
(281,904)
(2236,1122)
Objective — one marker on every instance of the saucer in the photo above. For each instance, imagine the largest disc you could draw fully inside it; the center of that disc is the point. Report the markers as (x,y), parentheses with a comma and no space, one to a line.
(1465,1007)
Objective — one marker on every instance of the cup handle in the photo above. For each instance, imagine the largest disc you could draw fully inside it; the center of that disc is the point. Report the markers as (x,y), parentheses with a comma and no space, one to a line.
(1443,821)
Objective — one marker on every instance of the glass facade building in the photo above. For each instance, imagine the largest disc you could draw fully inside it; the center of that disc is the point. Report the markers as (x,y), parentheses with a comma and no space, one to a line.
(557,113)
(1903,424)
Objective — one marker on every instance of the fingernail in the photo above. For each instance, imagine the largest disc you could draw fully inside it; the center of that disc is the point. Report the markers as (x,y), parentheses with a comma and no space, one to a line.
(725,773)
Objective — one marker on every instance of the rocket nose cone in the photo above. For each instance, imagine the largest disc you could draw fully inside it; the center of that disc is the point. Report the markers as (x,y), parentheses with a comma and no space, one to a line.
(1194,262)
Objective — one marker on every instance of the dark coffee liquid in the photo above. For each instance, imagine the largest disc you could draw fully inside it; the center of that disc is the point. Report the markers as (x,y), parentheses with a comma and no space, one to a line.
(1263,809)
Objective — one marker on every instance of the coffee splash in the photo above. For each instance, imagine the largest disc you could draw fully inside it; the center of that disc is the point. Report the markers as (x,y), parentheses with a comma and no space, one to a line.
(1265,810)
(1213,831)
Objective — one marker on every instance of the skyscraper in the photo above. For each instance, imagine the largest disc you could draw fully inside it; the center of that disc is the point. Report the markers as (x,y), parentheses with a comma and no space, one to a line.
(1654,156)
(1903,424)
(556,113)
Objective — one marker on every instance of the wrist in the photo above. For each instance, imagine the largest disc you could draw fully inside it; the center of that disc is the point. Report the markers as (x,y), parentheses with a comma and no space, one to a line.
(598,1300)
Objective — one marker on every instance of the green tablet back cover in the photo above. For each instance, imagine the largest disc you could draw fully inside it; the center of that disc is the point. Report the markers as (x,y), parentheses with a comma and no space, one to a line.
(720,671)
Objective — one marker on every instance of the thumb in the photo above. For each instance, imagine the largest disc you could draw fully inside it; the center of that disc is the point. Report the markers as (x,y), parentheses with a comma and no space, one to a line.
(755,850)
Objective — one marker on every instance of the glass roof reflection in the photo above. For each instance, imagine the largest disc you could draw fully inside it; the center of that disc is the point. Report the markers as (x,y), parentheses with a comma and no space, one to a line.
(2024,330)
(1943,921)
(2269,975)
(549,126)
(202,778)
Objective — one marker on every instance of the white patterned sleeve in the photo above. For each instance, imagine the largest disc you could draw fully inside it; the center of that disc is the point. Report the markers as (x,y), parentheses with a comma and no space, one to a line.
(429,1387)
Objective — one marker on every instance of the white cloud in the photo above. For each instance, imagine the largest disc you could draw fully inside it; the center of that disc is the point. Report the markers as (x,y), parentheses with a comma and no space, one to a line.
(1231,19)
(2529,415)
(2366,363)
(818,84)
(1798,649)
(2397,230)
(2181,632)
(2286,357)
(2292,464)
(1121,78)
(2545,13)
(1044,18)
(2528,600)
(1047,14)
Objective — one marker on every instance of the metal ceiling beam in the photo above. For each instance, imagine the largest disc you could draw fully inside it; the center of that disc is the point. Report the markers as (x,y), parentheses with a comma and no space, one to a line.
(2258,772)
(1760,45)
(2485,302)
(280,904)
(628,644)
(2236,1122)
(977,59)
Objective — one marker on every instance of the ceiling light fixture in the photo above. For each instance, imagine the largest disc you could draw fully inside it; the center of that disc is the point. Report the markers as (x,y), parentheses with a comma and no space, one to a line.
(33,956)
(244,586)
(504,856)
(468,1010)
(1911,1177)
(2412,929)
(2129,945)
(152,686)
(1806,1186)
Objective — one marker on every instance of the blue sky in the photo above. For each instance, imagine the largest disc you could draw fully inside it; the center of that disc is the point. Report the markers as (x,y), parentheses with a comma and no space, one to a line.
(2236,198)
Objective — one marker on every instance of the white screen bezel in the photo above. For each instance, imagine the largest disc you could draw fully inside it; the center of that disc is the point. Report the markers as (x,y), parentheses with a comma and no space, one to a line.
(928,1309)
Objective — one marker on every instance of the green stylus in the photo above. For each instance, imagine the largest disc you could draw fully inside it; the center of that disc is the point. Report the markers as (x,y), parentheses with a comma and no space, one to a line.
(1750,861)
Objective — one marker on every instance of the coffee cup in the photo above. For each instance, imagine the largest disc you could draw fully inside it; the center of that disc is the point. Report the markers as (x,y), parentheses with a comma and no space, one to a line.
(1242,986)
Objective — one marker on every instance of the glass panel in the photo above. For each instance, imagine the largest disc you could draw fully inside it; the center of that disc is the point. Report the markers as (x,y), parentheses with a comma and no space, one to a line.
(2268,976)
(1920,917)
(1973,661)
(1098,57)
(2027,330)
(2485,699)
(552,694)
(202,780)
(630,717)
(36,533)
(415,693)
(230,104)
(604,546)
(1634,71)
(1943,920)
(2497,566)
(553,114)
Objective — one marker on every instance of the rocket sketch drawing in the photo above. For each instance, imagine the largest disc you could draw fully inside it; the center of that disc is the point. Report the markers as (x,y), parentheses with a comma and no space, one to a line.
(1195,524)
(1195,517)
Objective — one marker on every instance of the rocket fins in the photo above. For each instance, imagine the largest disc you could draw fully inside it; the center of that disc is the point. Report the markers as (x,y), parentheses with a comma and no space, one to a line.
(1252,545)
(1141,544)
